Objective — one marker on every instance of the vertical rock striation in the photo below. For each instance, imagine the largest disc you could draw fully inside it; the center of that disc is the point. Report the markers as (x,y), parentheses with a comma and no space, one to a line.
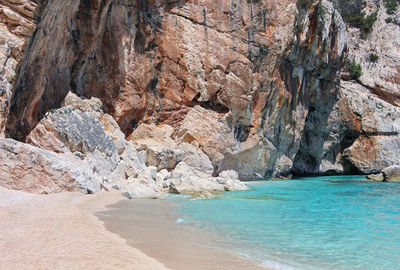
(362,131)
(255,85)
(17,23)
(306,82)
(256,67)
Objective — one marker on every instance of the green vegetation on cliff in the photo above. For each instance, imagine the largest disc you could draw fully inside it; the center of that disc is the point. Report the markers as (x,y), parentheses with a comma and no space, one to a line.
(391,6)
(355,70)
(363,22)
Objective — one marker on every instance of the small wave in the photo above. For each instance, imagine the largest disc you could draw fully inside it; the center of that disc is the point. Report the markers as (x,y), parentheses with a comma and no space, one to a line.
(196,199)
(180,220)
(277,265)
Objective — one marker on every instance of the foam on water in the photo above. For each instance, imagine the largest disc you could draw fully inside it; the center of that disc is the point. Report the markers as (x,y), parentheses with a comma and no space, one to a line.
(180,220)
(277,266)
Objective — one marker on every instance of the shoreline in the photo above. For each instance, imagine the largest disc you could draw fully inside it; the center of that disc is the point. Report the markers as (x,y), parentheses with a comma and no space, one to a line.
(61,231)
(156,228)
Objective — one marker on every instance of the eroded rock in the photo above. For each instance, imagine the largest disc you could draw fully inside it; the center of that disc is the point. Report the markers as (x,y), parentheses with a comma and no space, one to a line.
(28,168)
(16,27)
(68,130)
(392,173)
(376,177)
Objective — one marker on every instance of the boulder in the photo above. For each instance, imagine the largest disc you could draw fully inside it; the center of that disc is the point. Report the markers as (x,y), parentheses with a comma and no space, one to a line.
(187,180)
(163,152)
(92,105)
(375,177)
(163,157)
(230,174)
(196,158)
(134,163)
(193,185)
(230,180)
(183,170)
(147,177)
(68,130)
(162,176)
(28,168)
(138,190)
(391,173)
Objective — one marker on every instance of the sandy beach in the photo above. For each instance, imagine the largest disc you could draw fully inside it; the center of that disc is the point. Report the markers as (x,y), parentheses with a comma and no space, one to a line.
(78,231)
(59,231)
(155,227)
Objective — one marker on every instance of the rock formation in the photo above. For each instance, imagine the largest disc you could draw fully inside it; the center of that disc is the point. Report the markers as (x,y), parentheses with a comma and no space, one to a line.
(172,95)
(17,23)
(28,168)
(256,67)
(74,148)
(361,134)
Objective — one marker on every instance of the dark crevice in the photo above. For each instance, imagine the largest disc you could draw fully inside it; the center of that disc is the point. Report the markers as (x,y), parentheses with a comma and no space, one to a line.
(211,104)
(241,132)
(349,138)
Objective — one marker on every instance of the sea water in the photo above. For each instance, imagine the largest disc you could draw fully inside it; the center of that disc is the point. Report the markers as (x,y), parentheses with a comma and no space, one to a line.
(341,222)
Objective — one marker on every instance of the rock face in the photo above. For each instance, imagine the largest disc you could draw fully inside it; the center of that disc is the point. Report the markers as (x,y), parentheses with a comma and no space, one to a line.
(150,60)
(67,130)
(392,173)
(256,66)
(205,87)
(361,134)
(28,168)
(16,26)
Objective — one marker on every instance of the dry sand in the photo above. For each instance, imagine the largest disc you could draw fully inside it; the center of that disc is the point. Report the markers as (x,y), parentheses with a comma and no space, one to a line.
(59,231)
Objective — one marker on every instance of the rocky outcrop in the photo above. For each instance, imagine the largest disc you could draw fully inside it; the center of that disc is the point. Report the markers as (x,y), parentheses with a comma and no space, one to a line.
(361,134)
(392,173)
(72,150)
(28,168)
(250,86)
(16,27)
(67,130)
(163,152)
(244,61)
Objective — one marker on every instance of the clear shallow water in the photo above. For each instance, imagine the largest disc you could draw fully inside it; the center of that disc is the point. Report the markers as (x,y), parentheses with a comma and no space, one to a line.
(309,223)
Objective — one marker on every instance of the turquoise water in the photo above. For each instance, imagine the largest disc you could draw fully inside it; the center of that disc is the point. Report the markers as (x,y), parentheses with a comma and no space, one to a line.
(308,223)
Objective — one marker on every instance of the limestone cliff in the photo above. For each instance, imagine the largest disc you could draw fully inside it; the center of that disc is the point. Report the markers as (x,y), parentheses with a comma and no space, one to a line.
(361,132)
(17,23)
(254,85)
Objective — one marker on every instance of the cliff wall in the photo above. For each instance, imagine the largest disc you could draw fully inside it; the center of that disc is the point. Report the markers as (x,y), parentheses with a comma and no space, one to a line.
(256,85)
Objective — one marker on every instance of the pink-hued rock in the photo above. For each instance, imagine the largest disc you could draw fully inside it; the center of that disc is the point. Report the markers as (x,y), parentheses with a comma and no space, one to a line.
(258,65)
(251,85)
(16,27)
(28,168)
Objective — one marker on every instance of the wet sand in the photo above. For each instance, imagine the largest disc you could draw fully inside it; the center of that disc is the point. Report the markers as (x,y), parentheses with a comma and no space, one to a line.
(59,231)
(154,227)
